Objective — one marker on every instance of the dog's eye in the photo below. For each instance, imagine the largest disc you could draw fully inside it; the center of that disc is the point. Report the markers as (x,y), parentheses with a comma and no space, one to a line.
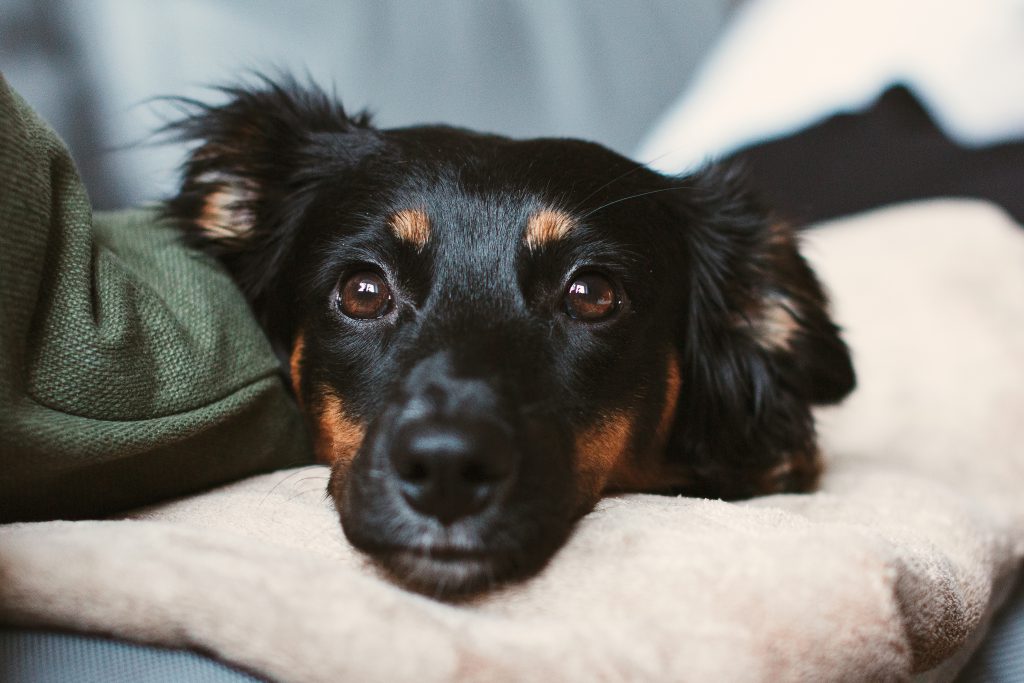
(364,296)
(591,297)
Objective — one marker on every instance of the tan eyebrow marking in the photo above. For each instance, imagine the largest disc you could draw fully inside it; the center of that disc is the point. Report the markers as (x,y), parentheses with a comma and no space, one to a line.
(547,225)
(412,226)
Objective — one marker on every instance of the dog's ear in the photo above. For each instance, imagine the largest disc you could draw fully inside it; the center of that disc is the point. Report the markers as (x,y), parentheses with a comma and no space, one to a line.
(256,162)
(756,346)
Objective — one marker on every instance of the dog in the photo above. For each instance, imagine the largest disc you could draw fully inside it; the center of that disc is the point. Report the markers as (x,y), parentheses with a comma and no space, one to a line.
(487,335)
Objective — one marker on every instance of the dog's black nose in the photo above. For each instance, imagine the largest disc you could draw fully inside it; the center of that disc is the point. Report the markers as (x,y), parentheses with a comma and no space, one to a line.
(449,472)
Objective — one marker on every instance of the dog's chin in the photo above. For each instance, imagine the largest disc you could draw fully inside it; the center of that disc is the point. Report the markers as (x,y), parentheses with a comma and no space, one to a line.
(439,574)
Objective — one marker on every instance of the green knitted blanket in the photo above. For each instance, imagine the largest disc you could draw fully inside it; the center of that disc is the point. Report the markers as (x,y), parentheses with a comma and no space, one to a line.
(131,369)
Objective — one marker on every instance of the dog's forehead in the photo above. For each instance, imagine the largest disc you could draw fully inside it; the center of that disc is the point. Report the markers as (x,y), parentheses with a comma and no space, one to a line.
(472,238)
(484,195)
(462,222)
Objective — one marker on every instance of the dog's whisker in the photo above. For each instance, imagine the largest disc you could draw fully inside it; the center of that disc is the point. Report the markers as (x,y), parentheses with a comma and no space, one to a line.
(324,478)
(299,494)
(441,587)
(638,167)
(634,196)
(282,481)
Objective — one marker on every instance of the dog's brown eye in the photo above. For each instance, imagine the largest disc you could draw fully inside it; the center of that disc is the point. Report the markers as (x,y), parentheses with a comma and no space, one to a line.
(591,297)
(364,296)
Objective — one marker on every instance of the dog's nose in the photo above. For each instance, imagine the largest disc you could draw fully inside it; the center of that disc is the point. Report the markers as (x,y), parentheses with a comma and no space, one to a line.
(450,472)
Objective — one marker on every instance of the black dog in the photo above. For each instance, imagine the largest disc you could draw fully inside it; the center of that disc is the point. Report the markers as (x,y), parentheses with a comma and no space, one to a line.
(488,334)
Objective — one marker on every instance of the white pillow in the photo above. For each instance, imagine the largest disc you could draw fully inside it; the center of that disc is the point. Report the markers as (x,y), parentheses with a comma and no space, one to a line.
(787,64)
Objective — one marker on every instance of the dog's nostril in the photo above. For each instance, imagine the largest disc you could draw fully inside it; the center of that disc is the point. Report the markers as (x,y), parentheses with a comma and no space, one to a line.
(474,472)
(450,472)
(412,470)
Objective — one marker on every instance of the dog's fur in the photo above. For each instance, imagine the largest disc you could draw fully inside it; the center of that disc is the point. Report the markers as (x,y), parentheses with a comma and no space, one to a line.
(691,369)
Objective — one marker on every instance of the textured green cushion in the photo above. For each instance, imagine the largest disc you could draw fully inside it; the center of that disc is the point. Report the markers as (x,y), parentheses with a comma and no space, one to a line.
(131,368)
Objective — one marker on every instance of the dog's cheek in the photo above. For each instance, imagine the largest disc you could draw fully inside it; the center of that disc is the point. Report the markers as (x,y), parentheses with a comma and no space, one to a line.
(647,468)
(599,450)
(338,435)
(336,485)
(670,401)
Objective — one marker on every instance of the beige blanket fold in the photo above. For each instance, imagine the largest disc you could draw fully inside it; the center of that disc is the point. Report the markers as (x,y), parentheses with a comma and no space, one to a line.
(892,569)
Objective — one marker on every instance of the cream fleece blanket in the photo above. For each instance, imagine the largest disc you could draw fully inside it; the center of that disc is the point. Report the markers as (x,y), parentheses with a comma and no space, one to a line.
(892,569)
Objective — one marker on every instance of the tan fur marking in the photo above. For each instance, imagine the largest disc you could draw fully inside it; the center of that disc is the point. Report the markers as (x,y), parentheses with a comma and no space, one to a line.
(673,383)
(224,216)
(781,236)
(338,435)
(547,226)
(599,450)
(412,226)
(653,471)
(775,324)
(295,365)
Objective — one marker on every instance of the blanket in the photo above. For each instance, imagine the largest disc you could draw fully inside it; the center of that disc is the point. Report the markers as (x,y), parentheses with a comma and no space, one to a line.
(129,363)
(891,569)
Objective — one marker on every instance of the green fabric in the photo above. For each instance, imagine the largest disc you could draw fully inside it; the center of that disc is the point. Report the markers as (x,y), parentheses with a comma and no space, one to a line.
(131,369)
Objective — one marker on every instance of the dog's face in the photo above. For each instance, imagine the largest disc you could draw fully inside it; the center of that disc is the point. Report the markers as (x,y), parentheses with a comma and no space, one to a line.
(486,335)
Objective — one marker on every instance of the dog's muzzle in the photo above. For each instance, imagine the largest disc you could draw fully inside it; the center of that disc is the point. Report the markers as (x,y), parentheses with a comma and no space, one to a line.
(449,491)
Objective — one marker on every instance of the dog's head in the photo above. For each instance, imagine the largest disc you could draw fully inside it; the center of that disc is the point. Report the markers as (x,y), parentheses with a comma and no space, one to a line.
(487,334)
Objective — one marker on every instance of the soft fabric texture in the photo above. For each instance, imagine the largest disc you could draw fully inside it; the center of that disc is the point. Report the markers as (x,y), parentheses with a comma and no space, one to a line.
(131,369)
(894,567)
(891,153)
(784,65)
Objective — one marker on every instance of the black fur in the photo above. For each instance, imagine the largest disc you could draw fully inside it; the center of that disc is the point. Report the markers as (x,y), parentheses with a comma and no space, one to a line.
(478,332)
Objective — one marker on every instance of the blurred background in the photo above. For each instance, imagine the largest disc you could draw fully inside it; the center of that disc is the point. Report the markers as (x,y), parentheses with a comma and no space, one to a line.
(833,106)
(602,70)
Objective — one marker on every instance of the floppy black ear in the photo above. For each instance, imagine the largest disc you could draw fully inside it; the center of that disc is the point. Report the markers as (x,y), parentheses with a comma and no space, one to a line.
(756,346)
(257,161)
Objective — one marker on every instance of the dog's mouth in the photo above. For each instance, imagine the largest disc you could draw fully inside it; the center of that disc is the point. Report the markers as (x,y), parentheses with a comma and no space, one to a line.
(441,570)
